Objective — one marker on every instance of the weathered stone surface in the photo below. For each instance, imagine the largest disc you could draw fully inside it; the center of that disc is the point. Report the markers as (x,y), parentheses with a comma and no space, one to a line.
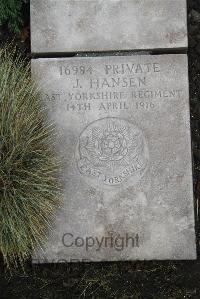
(124,138)
(103,25)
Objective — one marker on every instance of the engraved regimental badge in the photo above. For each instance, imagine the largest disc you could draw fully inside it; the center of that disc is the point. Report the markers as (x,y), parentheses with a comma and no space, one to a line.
(112,150)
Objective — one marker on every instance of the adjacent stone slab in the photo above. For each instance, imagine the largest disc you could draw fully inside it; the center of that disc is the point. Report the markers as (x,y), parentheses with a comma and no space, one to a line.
(124,138)
(61,26)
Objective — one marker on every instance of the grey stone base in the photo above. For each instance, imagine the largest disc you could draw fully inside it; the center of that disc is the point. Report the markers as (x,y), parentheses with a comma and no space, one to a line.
(61,26)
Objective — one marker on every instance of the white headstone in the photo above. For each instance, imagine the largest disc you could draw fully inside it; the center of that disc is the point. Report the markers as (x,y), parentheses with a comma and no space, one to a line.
(123,128)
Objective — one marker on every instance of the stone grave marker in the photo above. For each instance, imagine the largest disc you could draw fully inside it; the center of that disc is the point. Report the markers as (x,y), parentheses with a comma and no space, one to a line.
(61,26)
(123,127)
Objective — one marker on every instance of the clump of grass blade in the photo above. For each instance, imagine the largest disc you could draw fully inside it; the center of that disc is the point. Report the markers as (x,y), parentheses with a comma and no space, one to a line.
(29,187)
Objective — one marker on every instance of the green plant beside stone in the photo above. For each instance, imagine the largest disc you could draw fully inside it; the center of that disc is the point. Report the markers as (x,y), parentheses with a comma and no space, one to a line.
(10,13)
(29,188)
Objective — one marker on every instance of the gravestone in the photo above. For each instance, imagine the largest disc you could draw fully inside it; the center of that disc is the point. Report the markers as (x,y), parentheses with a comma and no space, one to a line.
(60,26)
(123,134)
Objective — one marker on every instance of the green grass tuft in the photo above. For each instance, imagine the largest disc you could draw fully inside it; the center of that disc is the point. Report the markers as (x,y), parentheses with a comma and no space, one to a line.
(29,188)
